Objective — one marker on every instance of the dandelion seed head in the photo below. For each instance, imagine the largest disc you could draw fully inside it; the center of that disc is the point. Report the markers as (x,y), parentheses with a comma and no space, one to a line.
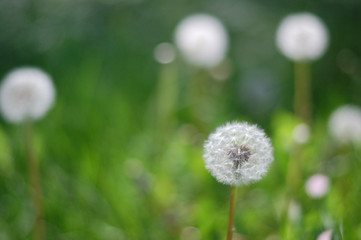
(294,211)
(238,153)
(317,186)
(202,40)
(345,124)
(164,53)
(301,133)
(302,36)
(26,94)
(325,235)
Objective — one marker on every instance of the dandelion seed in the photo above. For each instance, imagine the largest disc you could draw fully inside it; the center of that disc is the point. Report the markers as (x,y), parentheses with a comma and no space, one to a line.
(26,94)
(317,186)
(345,124)
(238,153)
(302,37)
(202,40)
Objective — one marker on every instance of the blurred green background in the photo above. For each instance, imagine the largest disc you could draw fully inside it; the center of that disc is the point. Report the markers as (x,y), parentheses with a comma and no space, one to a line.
(120,154)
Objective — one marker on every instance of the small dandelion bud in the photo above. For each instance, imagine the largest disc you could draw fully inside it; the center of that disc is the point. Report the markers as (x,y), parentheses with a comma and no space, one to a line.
(302,37)
(26,94)
(202,40)
(238,153)
(345,124)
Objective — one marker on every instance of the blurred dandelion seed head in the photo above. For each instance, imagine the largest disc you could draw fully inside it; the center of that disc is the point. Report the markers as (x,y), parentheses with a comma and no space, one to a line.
(238,153)
(302,36)
(317,186)
(345,124)
(325,235)
(164,53)
(294,211)
(26,94)
(301,133)
(202,40)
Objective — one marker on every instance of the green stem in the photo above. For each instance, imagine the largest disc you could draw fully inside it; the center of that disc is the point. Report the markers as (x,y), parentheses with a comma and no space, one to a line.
(302,101)
(197,92)
(35,184)
(294,173)
(167,96)
(231,213)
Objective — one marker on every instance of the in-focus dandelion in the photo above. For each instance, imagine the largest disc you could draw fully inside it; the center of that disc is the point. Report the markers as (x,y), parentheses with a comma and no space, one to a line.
(238,153)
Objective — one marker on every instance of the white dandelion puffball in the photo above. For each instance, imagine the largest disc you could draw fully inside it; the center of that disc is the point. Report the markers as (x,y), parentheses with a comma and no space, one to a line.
(238,153)
(301,133)
(202,40)
(302,36)
(26,94)
(317,186)
(294,210)
(164,53)
(325,235)
(345,124)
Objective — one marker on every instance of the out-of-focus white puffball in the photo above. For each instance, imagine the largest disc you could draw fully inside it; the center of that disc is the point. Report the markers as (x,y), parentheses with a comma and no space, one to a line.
(325,235)
(345,124)
(202,40)
(302,37)
(317,186)
(26,93)
(294,211)
(301,133)
(164,53)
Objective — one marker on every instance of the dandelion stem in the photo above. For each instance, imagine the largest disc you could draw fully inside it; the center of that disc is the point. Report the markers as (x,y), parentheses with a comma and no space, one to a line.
(35,184)
(302,101)
(231,213)
(166,100)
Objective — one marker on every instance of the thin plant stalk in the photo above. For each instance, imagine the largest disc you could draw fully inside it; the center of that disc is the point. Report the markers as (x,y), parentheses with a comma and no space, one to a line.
(302,101)
(231,213)
(303,111)
(294,173)
(35,184)
(167,96)
(197,91)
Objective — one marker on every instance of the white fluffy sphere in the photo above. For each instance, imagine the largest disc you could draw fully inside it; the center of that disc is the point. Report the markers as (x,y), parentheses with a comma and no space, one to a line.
(202,40)
(325,235)
(302,36)
(317,186)
(164,53)
(26,94)
(238,153)
(345,124)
